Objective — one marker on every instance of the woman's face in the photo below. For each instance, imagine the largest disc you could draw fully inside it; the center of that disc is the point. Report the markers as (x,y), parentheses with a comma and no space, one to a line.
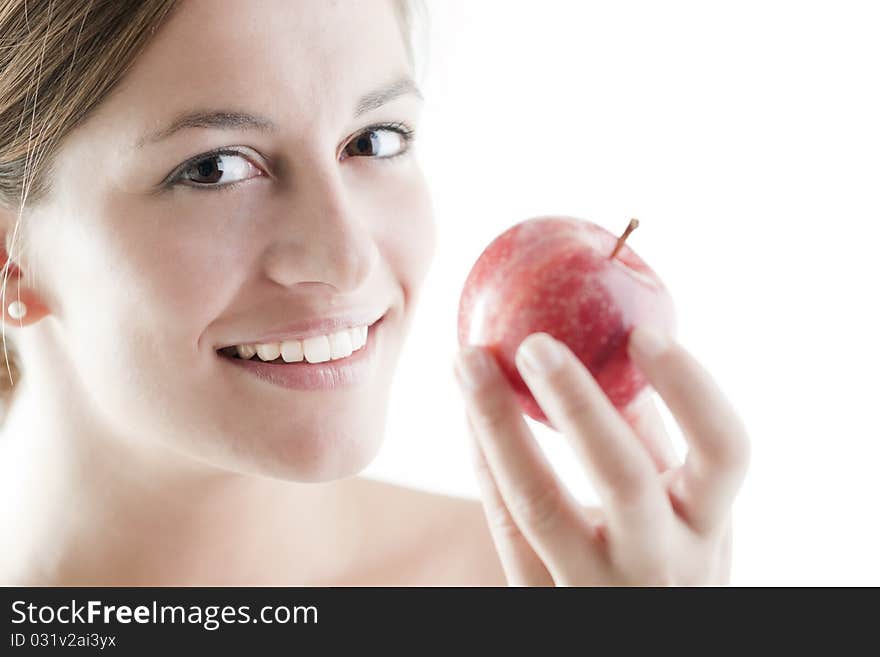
(148,276)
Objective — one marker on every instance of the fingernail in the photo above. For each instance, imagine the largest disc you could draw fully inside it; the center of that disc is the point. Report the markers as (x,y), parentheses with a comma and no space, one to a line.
(472,365)
(646,342)
(540,353)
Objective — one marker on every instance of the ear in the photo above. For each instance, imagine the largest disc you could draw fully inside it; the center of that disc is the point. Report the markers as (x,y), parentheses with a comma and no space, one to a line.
(16,290)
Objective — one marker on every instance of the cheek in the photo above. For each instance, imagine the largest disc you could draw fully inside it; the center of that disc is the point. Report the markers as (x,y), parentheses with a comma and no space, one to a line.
(409,237)
(179,261)
(143,283)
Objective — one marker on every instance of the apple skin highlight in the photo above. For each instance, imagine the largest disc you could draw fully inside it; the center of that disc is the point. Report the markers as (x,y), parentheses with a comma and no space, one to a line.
(555,274)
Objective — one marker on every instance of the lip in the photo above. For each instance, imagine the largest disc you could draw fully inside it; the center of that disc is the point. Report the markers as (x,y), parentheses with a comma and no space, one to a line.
(330,375)
(308,328)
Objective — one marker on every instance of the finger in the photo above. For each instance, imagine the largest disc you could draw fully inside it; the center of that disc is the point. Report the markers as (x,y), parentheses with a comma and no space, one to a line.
(718,454)
(539,504)
(644,419)
(522,566)
(620,467)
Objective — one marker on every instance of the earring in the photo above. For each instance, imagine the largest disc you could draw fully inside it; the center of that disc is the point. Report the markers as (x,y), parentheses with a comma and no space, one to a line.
(17,310)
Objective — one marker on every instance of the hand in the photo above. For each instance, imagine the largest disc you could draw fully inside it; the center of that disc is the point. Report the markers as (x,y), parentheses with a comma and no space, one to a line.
(660,523)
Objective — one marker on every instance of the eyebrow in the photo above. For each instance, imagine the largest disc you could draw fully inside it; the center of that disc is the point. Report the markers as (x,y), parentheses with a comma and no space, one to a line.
(231,120)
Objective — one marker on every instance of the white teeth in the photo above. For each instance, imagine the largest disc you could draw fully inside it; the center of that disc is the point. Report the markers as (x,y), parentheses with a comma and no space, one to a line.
(340,344)
(354,334)
(246,351)
(317,349)
(358,336)
(269,352)
(292,351)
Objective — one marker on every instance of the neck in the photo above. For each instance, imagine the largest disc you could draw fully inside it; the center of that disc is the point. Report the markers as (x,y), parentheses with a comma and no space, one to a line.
(92,508)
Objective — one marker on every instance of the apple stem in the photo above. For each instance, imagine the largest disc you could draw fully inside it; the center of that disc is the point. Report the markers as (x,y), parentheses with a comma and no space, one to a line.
(633,224)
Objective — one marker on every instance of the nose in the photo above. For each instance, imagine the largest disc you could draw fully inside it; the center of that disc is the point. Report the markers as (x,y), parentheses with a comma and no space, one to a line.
(321,236)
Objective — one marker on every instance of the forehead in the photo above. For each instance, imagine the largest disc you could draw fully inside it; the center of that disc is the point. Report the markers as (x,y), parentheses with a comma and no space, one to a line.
(306,60)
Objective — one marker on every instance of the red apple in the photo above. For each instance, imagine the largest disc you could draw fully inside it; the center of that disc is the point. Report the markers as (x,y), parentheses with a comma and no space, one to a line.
(574,280)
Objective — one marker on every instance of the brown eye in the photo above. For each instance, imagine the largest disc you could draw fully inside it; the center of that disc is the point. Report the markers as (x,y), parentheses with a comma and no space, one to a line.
(378,142)
(211,168)
(229,167)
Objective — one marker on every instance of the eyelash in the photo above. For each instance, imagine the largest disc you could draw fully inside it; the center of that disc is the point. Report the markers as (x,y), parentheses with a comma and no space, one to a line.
(407,133)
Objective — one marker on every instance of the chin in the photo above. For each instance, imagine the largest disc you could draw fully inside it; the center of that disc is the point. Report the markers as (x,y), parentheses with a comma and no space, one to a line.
(306,456)
(328,456)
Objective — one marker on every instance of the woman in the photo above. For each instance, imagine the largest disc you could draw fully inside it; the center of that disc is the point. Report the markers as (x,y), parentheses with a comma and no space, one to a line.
(216,233)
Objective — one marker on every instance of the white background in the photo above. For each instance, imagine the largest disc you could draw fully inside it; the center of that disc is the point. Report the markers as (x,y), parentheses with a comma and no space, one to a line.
(745,136)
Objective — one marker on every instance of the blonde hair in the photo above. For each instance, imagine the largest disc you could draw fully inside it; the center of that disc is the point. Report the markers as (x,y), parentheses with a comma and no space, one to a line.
(59,59)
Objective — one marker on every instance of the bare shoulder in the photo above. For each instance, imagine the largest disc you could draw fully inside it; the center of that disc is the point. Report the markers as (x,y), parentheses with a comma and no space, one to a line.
(448,536)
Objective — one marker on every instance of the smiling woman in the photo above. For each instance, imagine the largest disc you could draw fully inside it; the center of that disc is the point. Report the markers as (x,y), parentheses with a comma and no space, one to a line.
(94,44)
(206,373)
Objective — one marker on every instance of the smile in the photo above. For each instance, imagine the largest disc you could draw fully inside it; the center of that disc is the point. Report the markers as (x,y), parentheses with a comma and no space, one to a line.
(316,349)
(325,373)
